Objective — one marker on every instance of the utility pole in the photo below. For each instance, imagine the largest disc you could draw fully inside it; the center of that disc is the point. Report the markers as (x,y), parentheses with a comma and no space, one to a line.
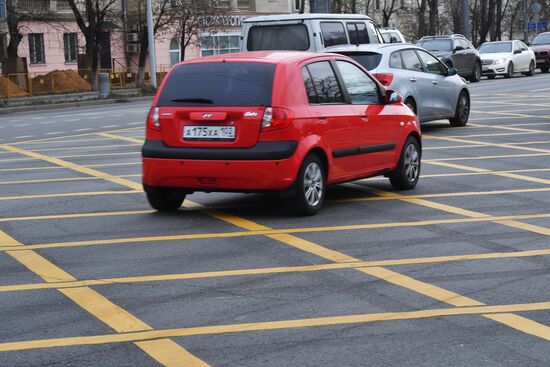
(525,25)
(466,18)
(151,36)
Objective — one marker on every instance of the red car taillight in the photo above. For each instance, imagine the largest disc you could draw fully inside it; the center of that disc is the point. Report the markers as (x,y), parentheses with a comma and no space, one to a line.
(153,119)
(384,78)
(276,118)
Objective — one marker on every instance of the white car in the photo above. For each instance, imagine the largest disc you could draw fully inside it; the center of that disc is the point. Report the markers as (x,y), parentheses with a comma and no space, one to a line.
(506,58)
(392,35)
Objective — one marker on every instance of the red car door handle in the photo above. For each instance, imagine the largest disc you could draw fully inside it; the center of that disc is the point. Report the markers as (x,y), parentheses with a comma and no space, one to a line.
(365,118)
(322,119)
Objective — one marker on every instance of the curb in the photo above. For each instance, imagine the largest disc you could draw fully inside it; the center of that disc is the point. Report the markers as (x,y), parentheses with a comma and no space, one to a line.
(8,110)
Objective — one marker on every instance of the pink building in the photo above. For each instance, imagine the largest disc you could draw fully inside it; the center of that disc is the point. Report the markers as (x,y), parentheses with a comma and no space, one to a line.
(55,44)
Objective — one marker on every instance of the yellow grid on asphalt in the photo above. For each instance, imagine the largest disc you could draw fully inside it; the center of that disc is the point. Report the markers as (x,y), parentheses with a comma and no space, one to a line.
(393,277)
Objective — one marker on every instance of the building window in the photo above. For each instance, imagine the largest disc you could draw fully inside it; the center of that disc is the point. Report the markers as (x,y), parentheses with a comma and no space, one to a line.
(70,41)
(175,52)
(219,44)
(36,48)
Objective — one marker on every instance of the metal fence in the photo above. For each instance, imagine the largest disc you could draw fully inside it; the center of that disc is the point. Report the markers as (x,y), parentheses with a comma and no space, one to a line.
(69,81)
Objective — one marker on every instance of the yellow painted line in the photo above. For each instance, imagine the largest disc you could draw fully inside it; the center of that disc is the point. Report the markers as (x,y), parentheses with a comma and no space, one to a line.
(40,266)
(74,167)
(112,315)
(236,221)
(29,169)
(137,154)
(66,179)
(485,157)
(100,307)
(86,147)
(9,160)
(70,194)
(442,195)
(113,164)
(522,324)
(496,173)
(76,215)
(512,114)
(525,226)
(490,135)
(426,289)
(513,128)
(69,138)
(113,136)
(279,325)
(169,353)
(312,248)
(518,104)
(276,270)
(36,142)
(7,240)
(116,241)
(501,145)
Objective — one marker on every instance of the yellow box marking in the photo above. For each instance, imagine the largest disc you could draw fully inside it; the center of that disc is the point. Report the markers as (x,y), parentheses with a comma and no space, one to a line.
(169,353)
(312,248)
(81,215)
(70,194)
(113,136)
(86,147)
(40,266)
(426,289)
(7,240)
(67,179)
(489,311)
(522,324)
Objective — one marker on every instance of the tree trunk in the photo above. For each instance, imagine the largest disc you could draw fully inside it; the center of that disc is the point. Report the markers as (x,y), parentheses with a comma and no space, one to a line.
(12,18)
(143,50)
(422,19)
(432,16)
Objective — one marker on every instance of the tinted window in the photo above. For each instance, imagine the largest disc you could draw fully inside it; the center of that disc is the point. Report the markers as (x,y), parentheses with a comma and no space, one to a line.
(411,61)
(361,88)
(431,64)
(310,88)
(491,48)
(278,37)
(395,60)
(368,60)
(357,33)
(219,84)
(386,37)
(333,33)
(374,33)
(436,44)
(325,82)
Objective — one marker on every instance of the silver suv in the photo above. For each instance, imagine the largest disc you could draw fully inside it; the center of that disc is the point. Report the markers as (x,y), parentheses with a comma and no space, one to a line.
(431,89)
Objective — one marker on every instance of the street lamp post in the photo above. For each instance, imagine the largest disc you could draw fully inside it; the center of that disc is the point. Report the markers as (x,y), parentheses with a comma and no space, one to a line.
(466,18)
(525,25)
(151,38)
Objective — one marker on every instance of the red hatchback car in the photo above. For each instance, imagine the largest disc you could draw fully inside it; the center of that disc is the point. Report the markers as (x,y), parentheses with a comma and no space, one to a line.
(292,122)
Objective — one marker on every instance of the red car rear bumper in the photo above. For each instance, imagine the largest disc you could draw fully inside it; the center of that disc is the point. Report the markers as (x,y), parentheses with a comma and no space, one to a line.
(182,169)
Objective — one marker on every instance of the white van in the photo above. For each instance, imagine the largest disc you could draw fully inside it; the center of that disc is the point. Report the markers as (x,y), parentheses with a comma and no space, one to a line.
(307,32)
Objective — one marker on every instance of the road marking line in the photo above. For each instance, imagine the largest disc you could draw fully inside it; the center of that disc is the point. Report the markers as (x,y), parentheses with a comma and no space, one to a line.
(426,289)
(532,327)
(98,155)
(55,132)
(86,147)
(61,179)
(23,137)
(525,226)
(522,324)
(74,167)
(488,172)
(496,173)
(100,307)
(169,353)
(276,270)
(486,157)
(507,146)
(112,136)
(60,138)
(115,241)
(76,215)
(70,194)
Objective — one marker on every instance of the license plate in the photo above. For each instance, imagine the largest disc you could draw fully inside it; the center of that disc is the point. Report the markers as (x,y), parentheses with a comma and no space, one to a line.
(208,132)
(540,60)
(485,68)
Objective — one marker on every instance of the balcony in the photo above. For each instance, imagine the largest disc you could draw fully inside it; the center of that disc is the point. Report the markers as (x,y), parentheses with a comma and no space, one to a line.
(43,6)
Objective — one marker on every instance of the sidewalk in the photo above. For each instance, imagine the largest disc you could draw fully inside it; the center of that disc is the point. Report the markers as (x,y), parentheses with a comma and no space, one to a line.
(57,101)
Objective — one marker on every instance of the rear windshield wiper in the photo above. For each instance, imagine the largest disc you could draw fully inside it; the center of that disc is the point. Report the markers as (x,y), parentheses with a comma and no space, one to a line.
(194,100)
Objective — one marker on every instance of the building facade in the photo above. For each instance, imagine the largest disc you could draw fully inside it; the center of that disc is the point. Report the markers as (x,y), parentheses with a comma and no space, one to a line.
(53,40)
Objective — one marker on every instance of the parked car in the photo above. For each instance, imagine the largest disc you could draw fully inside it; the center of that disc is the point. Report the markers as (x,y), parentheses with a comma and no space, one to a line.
(428,87)
(506,58)
(456,52)
(541,47)
(392,35)
(292,122)
(307,32)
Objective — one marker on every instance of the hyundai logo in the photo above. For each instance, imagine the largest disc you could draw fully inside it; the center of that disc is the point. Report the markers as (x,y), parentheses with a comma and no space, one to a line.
(207,116)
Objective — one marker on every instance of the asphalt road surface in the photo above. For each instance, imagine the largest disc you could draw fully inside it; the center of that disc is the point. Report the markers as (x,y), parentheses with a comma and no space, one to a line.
(453,273)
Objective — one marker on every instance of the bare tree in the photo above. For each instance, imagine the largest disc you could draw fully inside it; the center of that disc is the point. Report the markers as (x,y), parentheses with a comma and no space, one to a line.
(389,8)
(163,17)
(194,17)
(92,17)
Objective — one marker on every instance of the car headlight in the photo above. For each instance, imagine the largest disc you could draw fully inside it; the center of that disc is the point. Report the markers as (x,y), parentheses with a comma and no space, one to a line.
(500,61)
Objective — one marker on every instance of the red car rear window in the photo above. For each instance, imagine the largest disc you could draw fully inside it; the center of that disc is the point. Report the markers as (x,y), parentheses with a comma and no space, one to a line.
(219,84)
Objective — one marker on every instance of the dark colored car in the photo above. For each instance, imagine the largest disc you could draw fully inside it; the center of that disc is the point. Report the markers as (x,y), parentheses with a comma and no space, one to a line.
(292,122)
(456,52)
(541,46)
